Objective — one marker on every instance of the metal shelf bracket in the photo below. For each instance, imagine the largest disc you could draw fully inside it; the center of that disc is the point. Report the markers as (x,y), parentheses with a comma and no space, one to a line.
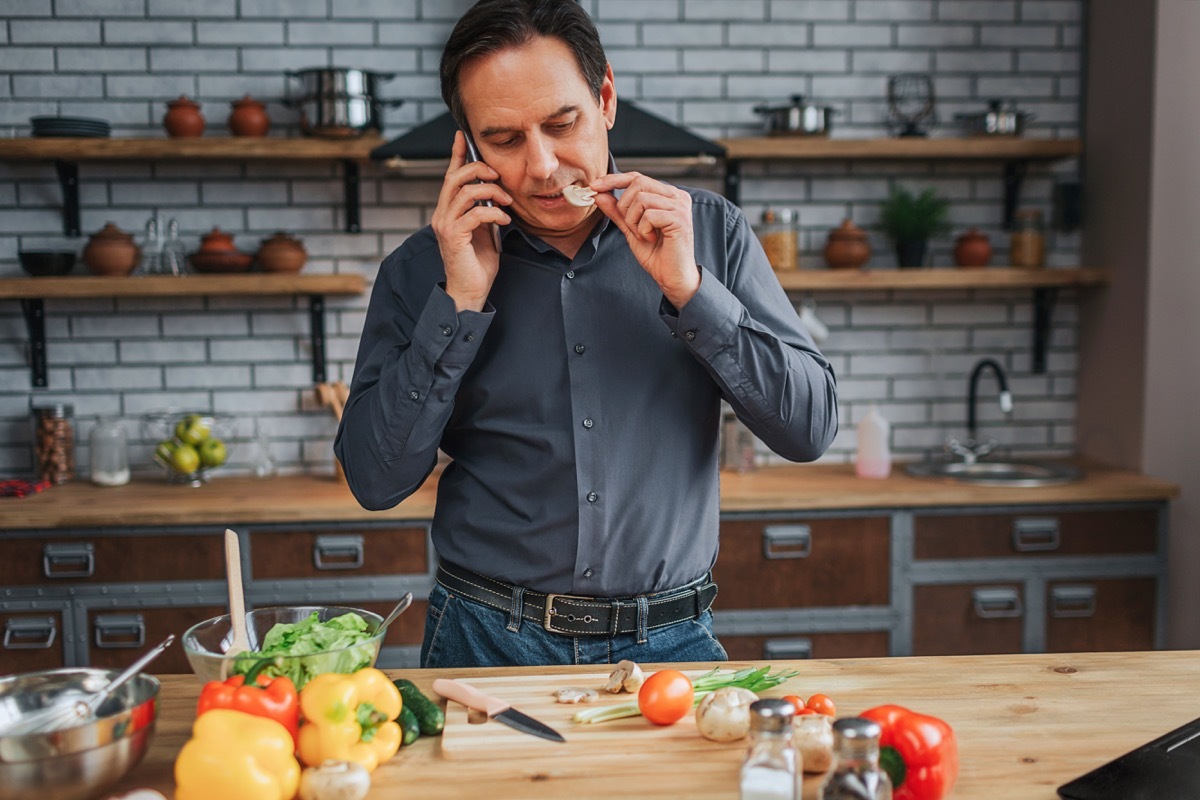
(68,179)
(1043,310)
(316,313)
(352,183)
(35,321)
(1014,176)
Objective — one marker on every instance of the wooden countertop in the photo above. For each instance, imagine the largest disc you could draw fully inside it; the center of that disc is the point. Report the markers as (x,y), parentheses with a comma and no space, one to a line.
(238,500)
(1025,724)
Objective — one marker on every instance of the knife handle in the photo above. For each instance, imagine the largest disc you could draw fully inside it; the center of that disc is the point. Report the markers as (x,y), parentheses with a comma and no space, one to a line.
(469,696)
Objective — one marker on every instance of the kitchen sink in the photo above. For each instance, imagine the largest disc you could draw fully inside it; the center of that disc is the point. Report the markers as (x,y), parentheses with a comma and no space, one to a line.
(997,473)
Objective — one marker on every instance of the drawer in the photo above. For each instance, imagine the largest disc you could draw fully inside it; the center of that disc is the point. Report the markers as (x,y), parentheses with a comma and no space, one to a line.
(1095,615)
(112,559)
(33,640)
(117,636)
(849,644)
(802,563)
(967,619)
(315,554)
(1075,533)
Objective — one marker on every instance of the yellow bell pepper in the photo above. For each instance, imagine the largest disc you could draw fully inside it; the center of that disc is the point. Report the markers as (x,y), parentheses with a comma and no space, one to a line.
(237,756)
(350,718)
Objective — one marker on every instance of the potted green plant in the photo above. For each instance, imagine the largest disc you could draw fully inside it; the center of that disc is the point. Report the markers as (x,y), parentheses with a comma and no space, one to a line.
(911,220)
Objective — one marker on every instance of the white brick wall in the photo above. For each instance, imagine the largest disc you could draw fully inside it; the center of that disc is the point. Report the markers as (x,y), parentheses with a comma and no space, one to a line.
(704,63)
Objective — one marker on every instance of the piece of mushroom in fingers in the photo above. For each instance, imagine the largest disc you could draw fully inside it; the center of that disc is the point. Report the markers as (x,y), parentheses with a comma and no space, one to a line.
(580,196)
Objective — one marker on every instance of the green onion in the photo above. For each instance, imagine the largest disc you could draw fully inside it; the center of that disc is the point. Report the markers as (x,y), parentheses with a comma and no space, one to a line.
(756,679)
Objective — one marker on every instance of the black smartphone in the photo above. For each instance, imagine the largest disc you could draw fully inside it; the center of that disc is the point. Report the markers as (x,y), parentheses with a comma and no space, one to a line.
(473,155)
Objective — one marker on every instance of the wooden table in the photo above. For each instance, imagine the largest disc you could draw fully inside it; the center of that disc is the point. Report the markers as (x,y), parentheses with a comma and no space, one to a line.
(1025,724)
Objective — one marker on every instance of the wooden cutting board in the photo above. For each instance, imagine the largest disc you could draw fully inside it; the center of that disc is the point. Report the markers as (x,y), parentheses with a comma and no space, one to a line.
(533,695)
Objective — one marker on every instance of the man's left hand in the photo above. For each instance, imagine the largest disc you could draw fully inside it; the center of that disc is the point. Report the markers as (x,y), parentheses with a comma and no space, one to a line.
(657,222)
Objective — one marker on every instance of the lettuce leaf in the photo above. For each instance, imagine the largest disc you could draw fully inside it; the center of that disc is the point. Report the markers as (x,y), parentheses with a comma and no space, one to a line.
(308,648)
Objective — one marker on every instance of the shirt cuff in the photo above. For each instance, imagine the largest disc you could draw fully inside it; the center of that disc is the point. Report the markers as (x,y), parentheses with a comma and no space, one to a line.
(449,335)
(709,320)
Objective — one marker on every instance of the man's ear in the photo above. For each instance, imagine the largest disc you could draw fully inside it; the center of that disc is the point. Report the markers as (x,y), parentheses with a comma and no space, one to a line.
(608,97)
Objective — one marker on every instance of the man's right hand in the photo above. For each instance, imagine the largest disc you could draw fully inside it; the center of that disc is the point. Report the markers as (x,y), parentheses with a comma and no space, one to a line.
(464,230)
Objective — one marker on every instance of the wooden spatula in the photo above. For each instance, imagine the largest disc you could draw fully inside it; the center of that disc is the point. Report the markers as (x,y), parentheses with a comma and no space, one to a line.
(237,601)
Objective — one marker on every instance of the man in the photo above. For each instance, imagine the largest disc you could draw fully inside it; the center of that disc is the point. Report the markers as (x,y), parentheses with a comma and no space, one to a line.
(571,363)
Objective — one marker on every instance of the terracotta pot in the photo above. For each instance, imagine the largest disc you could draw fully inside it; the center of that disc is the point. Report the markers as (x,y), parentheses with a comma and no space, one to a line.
(847,246)
(217,241)
(249,118)
(972,249)
(111,252)
(281,253)
(183,119)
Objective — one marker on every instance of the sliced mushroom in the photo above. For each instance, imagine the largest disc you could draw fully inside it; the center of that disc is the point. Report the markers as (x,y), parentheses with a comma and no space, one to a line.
(573,694)
(627,677)
(580,196)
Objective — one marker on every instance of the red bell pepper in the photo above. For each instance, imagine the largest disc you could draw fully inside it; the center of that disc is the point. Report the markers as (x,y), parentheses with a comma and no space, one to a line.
(919,753)
(256,694)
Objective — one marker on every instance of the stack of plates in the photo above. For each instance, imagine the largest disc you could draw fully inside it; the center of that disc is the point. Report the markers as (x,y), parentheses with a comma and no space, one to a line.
(70,126)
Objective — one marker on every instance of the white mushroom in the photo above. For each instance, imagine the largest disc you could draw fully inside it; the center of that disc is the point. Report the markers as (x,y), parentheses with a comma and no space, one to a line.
(813,736)
(140,794)
(627,677)
(335,780)
(724,715)
(573,694)
(580,196)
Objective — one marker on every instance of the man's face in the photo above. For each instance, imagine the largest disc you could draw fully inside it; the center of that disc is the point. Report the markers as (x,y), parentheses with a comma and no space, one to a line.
(538,124)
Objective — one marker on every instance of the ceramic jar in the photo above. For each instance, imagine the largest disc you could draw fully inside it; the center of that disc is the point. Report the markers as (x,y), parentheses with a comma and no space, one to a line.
(183,119)
(249,118)
(972,249)
(281,253)
(847,246)
(111,252)
(217,241)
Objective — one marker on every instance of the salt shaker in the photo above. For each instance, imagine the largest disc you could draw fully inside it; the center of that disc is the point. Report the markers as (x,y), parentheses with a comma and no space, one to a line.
(770,771)
(856,773)
(173,259)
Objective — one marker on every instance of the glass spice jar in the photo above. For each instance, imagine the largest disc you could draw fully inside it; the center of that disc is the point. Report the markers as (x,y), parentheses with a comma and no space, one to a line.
(54,443)
(780,238)
(110,453)
(1027,245)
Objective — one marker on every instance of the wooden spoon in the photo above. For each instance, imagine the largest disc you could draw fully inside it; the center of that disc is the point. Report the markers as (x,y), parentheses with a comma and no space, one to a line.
(237,601)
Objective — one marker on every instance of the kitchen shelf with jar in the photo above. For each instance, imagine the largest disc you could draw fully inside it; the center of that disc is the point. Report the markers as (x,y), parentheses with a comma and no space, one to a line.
(32,292)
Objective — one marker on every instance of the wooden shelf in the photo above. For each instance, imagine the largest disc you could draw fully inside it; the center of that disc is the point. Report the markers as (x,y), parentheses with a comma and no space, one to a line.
(978,148)
(223,148)
(171,286)
(815,280)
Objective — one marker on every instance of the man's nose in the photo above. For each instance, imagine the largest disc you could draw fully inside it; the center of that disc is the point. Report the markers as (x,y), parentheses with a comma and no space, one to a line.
(541,161)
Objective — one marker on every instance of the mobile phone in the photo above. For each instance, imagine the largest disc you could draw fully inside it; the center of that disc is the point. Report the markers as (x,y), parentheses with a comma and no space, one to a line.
(473,155)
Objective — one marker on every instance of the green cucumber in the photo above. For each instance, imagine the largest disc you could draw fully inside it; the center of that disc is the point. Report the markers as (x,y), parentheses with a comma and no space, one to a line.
(429,716)
(409,725)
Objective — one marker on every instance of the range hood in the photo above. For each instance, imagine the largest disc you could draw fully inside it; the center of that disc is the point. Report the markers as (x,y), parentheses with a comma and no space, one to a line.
(636,134)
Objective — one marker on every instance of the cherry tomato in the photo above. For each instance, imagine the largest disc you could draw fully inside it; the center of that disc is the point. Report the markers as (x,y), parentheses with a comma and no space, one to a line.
(666,697)
(821,704)
(797,702)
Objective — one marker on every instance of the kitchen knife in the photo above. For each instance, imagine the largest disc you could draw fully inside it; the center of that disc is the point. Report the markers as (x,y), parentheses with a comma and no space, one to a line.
(495,708)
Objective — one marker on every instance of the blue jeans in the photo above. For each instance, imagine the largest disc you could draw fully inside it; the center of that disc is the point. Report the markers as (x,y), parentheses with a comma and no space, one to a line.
(463,633)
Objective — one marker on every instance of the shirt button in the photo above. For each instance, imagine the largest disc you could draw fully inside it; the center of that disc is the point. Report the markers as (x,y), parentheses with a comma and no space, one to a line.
(674,335)
(571,274)
(587,423)
(470,337)
(579,349)
(592,497)
(690,335)
(414,395)
(447,330)
(587,573)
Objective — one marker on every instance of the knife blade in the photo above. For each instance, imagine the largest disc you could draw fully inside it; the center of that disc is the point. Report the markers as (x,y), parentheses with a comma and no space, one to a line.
(495,708)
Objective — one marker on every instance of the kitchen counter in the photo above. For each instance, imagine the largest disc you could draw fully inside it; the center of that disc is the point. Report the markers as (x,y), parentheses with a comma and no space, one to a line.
(234,500)
(1025,724)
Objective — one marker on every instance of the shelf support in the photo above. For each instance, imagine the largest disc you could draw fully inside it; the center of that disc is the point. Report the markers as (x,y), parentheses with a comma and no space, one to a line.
(68,179)
(352,183)
(316,313)
(733,181)
(1014,175)
(35,321)
(1043,310)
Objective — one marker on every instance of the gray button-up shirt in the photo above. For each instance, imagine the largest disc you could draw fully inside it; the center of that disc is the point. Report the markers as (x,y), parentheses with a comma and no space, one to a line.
(579,408)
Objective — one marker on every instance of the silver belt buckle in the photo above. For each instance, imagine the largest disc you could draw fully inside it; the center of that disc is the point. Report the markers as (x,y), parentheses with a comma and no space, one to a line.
(546,619)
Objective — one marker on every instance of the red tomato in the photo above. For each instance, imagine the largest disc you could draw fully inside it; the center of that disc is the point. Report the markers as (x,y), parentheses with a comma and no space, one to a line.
(821,704)
(797,701)
(666,697)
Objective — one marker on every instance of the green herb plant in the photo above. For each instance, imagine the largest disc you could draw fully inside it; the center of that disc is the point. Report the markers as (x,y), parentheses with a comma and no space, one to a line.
(911,217)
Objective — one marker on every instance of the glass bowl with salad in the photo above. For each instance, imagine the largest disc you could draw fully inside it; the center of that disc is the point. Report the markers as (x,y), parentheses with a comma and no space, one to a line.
(306,641)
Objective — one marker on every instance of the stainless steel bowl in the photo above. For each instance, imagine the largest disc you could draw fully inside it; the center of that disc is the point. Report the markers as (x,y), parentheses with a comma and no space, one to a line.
(79,762)
(797,118)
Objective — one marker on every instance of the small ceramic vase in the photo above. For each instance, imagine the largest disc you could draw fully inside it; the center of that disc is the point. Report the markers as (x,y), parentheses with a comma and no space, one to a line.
(249,118)
(281,253)
(972,249)
(847,246)
(111,252)
(183,119)
(217,241)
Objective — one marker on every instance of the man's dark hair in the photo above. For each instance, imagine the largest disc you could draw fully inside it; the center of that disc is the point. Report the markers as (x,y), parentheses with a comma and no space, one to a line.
(494,25)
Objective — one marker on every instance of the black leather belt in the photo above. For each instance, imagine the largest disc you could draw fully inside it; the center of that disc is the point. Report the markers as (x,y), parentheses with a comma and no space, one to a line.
(582,616)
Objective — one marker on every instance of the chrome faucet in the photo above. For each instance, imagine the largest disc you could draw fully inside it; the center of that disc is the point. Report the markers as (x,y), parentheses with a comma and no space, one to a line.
(972,449)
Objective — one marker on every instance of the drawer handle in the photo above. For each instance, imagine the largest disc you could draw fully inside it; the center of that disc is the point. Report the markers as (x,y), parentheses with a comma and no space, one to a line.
(1034,534)
(120,631)
(1072,601)
(68,560)
(997,603)
(30,633)
(787,541)
(795,649)
(338,552)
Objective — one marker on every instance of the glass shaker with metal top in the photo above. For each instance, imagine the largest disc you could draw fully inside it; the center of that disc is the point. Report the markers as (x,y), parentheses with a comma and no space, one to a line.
(856,773)
(771,769)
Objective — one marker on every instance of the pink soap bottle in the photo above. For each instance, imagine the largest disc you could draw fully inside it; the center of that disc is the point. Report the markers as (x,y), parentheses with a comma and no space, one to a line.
(874,458)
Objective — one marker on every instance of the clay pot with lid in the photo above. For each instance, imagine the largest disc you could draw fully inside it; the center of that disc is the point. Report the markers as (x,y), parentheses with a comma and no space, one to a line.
(847,246)
(217,241)
(972,249)
(111,252)
(281,253)
(249,118)
(183,119)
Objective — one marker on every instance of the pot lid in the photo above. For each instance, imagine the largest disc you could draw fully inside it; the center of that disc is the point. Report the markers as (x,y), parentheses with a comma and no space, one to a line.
(183,101)
(216,239)
(280,237)
(847,230)
(111,231)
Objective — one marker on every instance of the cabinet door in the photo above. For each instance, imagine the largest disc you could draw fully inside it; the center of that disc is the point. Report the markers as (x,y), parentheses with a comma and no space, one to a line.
(317,554)
(967,619)
(1075,533)
(1095,615)
(795,563)
(117,636)
(848,644)
(33,640)
(112,559)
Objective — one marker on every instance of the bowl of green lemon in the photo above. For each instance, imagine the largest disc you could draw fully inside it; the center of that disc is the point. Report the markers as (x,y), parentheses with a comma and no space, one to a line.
(189,445)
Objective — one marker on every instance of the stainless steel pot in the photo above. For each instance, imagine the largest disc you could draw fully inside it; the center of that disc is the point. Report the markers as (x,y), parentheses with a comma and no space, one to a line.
(337,81)
(339,102)
(996,121)
(797,119)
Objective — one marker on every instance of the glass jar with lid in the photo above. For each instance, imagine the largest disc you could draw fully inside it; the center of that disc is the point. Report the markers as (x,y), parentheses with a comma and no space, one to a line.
(1027,245)
(54,442)
(779,235)
(110,453)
